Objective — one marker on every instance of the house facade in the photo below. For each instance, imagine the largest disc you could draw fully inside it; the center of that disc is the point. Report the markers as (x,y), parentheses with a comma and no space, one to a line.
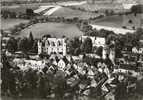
(96,41)
(52,46)
(137,50)
(61,64)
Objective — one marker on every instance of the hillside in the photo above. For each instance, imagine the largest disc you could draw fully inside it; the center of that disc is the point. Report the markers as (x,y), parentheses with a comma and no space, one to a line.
(115,1)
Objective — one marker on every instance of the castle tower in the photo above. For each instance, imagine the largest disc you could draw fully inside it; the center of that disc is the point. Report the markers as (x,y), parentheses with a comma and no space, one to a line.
(64,48)
(112,55)
(104,53)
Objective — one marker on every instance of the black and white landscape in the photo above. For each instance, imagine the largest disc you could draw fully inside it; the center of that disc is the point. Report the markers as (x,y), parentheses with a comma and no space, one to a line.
(71,50)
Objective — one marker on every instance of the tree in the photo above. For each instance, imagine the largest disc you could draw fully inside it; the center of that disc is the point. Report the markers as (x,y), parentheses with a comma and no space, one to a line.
(77,51)
(11,45)
(131,40)
(119,45)
(137,9)
(23,44)
(96,32)
(30,41)
(105,33)
(22,25)
(139,32)
(99,51)
(118,53)
(35,46)
(86,28)
(47,36)
(75,19)
(29,12)
(86,46)
(63,36)
(76,42)
(135,40)
(2,31)
(90,33)
(110,38)
(106,12)
(73,44)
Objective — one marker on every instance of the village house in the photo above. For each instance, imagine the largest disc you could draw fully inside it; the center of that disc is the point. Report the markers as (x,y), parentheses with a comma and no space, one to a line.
(61,64)
(137,50)
(52,46)
(24,64)
(101,42)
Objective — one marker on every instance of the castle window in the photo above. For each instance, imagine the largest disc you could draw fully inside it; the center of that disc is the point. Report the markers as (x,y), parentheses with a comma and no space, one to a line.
(48,42)
(53,44)
(59,43)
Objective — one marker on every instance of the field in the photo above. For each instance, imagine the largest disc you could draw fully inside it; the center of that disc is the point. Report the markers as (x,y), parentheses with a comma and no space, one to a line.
(62,12)
(54,29)
(22,7)
(59,29)
(9,23)
(70,13)
(111,21)
(19,8)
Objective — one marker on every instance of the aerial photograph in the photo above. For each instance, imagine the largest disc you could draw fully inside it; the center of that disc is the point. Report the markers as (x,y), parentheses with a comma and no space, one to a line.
(71,50)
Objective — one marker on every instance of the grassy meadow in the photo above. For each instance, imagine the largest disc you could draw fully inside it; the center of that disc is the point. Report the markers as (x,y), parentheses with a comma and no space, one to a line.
(111,21)
(10,23)
(54,29)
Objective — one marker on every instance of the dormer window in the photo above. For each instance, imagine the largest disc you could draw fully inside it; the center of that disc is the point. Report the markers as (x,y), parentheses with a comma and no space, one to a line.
(59,43)
(48,43)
